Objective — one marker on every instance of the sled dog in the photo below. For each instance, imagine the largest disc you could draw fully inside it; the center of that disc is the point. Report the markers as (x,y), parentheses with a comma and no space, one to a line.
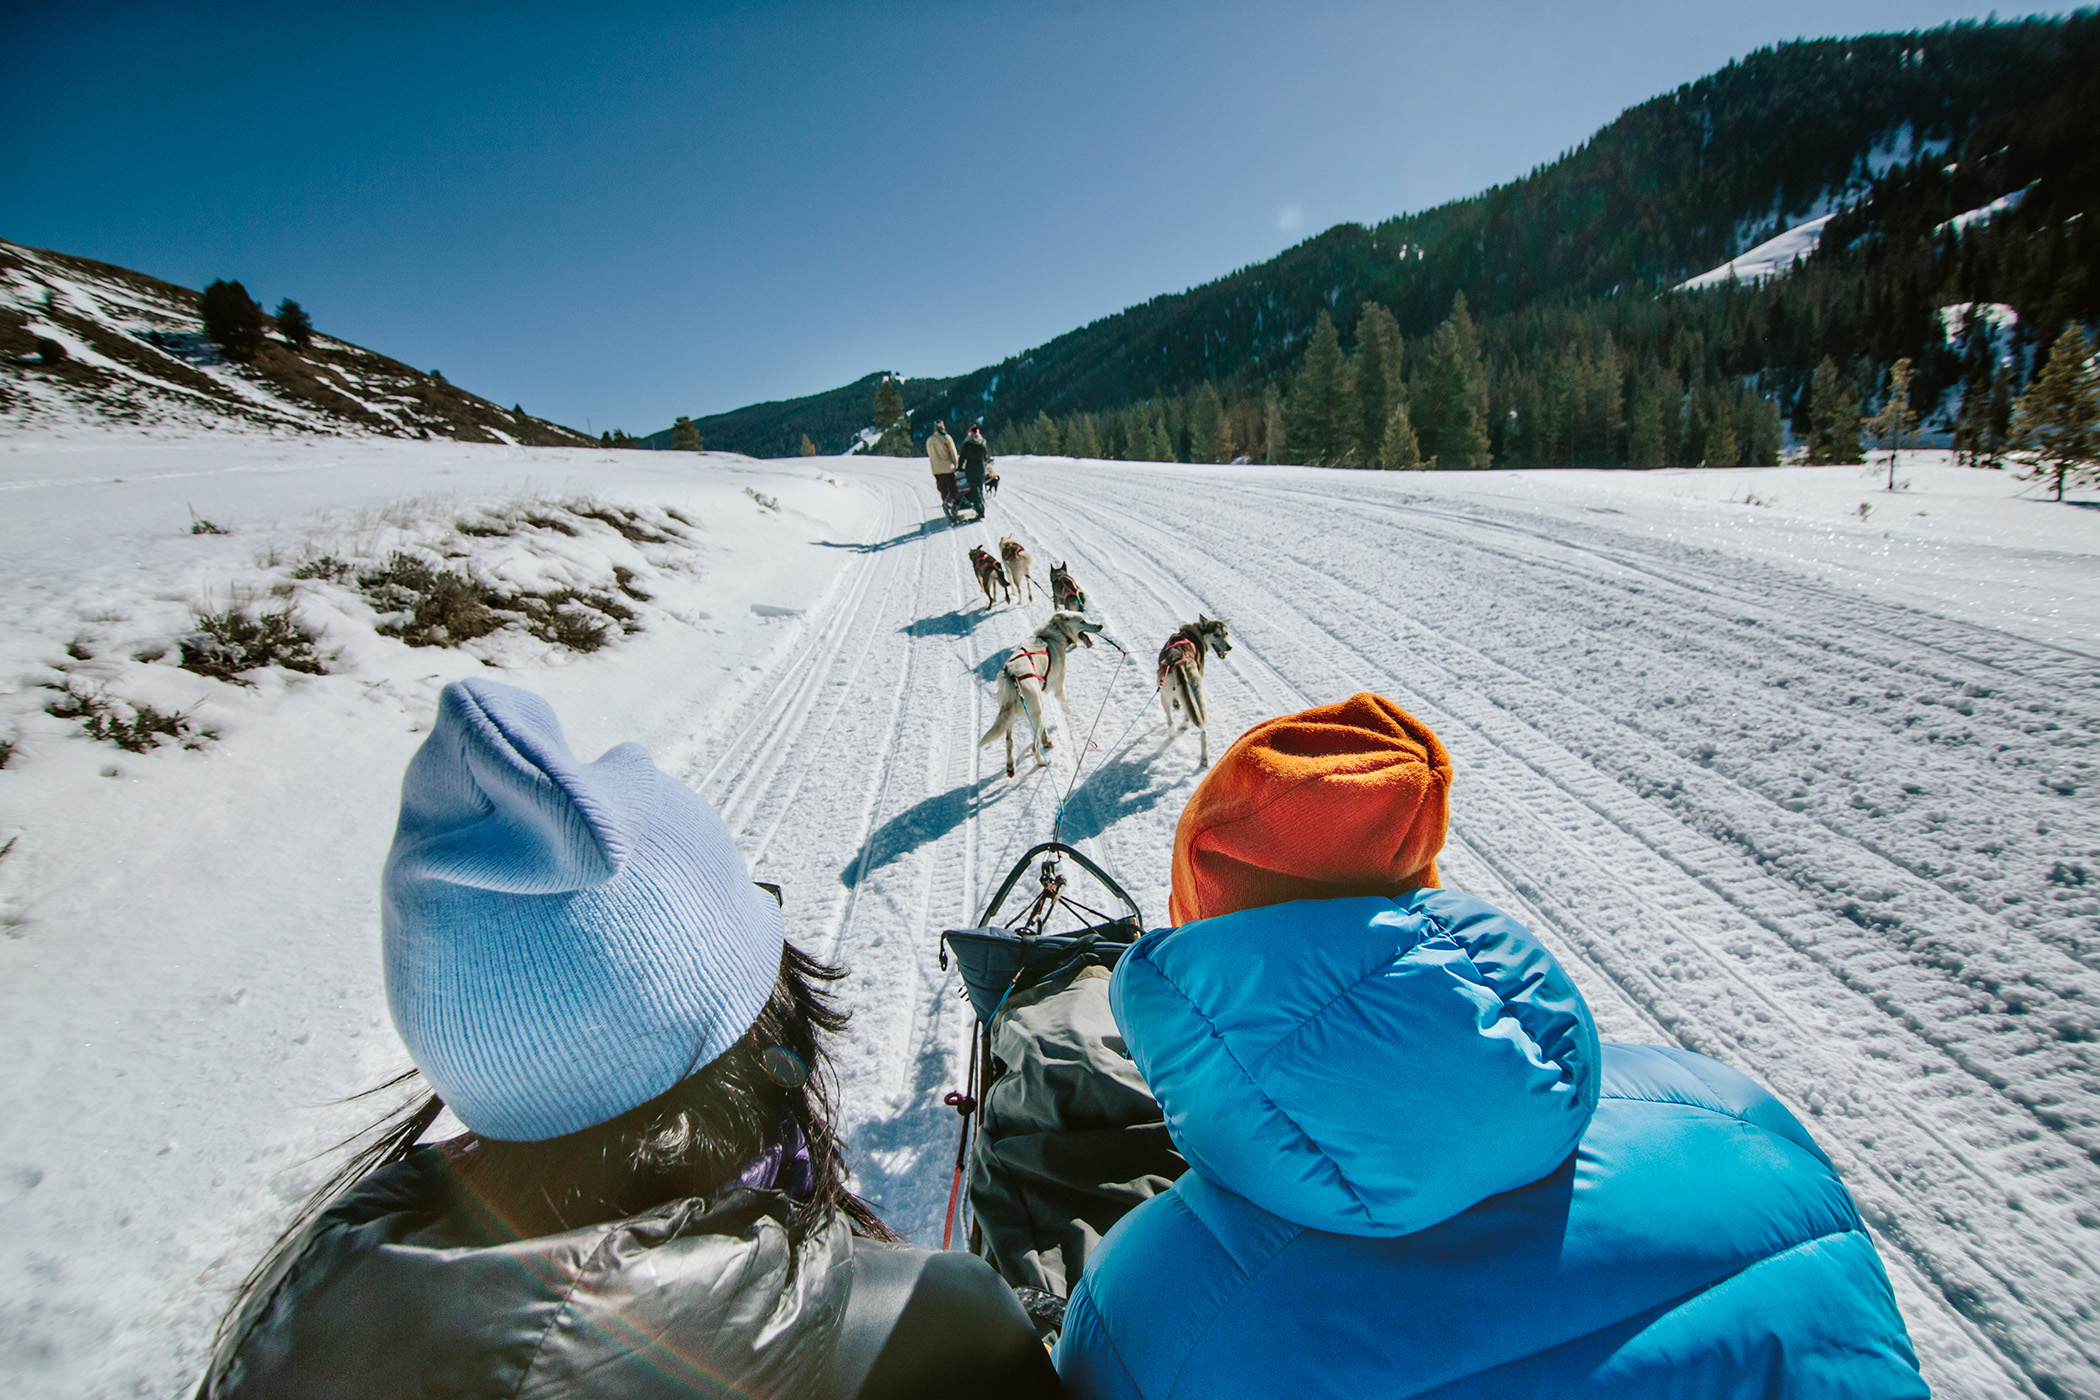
(1033,668)
(989,574)
(1064,593)
(1020,564)
(1181,675)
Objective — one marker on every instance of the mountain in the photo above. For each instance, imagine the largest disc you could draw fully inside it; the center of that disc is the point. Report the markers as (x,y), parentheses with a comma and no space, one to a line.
(1898,134)
(134,351)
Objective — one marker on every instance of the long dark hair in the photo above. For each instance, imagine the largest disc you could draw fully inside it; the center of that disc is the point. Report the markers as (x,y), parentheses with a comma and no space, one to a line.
(691,1140)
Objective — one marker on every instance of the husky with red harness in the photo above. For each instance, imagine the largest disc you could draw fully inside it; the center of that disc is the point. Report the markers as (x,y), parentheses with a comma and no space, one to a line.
(1033,668)
(990,574)
(1181,674)
(1065,594)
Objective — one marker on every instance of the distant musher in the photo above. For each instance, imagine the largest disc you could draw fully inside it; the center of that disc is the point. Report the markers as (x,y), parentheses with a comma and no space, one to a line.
(940,455)
(975,458)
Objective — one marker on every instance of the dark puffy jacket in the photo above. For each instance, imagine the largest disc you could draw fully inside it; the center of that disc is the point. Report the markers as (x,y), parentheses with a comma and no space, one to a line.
(1414,1171)
(402,1289)
(974,454)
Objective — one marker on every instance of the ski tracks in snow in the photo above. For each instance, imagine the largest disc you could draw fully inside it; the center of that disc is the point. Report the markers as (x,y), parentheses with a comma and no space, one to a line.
(1831,841)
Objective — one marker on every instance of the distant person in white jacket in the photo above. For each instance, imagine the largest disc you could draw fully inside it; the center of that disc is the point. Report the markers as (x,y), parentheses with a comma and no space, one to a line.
(941,456)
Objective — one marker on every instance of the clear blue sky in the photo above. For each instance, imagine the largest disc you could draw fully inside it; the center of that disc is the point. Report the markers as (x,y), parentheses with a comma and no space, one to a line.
(616,213)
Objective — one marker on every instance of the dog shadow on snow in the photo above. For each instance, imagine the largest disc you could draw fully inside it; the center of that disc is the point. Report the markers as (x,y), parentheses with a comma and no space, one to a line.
(918,825)
(1123,786)
(959,623)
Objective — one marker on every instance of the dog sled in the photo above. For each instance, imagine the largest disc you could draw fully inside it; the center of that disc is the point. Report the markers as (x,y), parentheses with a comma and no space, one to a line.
(968,503)
(1059,1138)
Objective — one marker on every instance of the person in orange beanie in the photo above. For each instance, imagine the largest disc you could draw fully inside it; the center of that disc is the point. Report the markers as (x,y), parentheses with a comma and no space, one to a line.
(1412,1166)
(1345,799)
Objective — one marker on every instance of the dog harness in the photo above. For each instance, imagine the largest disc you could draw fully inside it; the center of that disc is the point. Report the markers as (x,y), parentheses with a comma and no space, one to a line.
(1023,655)
(1179,650)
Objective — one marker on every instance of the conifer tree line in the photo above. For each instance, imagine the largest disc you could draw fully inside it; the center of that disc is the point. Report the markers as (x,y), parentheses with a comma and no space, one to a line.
(1586,354)
(1590,358)
(1385,404)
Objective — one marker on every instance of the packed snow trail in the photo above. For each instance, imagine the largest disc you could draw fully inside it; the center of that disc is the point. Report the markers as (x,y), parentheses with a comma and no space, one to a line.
(1808,795)
(1833,842)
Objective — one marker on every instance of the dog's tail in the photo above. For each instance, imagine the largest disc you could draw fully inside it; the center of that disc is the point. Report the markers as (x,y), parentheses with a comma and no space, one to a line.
(1009,704)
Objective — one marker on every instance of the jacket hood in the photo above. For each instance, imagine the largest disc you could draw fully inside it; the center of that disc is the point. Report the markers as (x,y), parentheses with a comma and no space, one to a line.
(1364,1066)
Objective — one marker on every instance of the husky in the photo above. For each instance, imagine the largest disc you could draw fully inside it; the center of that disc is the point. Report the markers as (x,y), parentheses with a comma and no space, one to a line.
(1064,593)
(1181,675)
(1034,667)
(989,573)
(1020,564)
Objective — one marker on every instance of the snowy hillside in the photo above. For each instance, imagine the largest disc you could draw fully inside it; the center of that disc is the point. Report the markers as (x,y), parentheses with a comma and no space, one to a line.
(1768,259)
(1794,783)
(135,354)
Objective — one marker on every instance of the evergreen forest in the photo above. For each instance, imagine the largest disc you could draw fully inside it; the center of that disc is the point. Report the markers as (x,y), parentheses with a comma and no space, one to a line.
(1540,323)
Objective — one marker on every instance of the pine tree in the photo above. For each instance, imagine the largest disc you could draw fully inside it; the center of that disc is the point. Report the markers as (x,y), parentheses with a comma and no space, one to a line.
(1081,439)
(1042,438)
(1320,419)
(1398,451)
(2057,421)
(684,436)
(1374,376)
(1151,441)
(809,449)
(1998,412)
(1971,420)
(1713,427)
(1451,407)
(1206,425)
(1833,418)
(1647,438)
(232,319)
(892,427)
(1757,434)
(1897,420)
(1273,446)
(295,325)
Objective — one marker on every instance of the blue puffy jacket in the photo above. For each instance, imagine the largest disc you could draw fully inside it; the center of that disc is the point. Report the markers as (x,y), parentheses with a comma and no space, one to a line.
(1415,1171)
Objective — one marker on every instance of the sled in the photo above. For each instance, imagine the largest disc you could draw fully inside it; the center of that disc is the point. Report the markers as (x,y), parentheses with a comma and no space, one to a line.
(965,500)
(998,959)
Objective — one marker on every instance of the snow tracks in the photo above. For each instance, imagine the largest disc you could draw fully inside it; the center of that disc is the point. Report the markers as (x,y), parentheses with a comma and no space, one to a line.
(1837,843)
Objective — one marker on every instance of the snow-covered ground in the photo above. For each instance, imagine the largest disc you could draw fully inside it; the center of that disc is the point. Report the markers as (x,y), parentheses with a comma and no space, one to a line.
(1806,790)
(1768,259)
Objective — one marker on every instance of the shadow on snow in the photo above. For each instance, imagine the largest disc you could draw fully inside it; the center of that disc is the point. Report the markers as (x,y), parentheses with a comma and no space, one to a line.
(918,825)
(923,529)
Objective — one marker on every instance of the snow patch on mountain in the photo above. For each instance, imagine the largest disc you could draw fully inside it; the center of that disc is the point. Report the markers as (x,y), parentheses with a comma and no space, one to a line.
(1983,214)
(1767,259)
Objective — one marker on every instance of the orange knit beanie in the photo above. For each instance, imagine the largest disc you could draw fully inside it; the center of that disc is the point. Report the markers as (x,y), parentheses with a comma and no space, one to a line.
(1338,800)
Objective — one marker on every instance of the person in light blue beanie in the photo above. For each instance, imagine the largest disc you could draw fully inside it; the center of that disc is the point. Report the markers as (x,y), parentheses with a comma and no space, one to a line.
(564,940)
(650,1200)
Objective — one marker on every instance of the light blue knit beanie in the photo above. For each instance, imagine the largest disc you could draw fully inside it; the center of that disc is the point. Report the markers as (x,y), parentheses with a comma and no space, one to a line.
(564,940)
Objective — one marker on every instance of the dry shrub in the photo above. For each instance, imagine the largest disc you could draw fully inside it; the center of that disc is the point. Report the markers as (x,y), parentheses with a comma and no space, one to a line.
(140,732)
(228,643)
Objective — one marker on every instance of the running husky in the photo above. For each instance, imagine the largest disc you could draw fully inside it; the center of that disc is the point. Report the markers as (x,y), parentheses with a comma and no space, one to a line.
(1020,564)
(1181,674)
(1064,593)
(1036,666)
(988,574)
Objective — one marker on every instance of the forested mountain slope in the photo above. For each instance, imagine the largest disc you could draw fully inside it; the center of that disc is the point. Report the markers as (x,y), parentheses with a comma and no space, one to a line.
(1566,269)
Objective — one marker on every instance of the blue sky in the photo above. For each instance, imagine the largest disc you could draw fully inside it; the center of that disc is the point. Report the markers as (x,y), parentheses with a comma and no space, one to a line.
(621,212)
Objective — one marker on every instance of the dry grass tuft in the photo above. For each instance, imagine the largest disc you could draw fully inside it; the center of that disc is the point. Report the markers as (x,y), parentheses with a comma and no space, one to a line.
(143,731)
(230,642)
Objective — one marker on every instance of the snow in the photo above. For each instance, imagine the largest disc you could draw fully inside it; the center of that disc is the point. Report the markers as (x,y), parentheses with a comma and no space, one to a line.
(1805,790)
(1768,259)
(1984,213)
